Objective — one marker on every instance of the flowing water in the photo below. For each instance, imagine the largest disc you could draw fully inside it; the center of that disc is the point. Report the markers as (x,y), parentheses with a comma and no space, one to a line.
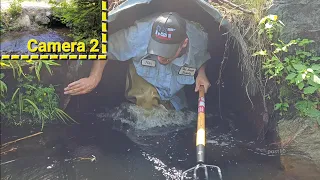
(128,143)
(17,42)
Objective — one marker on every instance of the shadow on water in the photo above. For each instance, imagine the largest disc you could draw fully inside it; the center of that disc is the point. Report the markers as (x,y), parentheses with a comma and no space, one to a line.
(122,141)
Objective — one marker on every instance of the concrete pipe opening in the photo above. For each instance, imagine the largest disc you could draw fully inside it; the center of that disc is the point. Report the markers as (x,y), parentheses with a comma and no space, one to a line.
(232,98)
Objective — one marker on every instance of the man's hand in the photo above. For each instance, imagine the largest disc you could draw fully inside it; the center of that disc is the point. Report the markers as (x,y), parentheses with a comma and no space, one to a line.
(202,79)
(82,86)
(86,85)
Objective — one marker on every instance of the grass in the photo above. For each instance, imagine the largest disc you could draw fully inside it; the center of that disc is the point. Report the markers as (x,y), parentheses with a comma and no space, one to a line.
(246,35)
(258,6)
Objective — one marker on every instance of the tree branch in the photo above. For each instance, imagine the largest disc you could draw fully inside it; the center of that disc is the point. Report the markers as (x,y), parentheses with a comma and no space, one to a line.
(6,144)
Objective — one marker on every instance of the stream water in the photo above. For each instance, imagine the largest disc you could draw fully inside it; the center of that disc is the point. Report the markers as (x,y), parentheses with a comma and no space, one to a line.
(17,42)
(127,143)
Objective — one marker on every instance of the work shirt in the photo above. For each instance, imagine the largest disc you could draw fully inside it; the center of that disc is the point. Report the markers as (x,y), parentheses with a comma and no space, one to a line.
(132,43)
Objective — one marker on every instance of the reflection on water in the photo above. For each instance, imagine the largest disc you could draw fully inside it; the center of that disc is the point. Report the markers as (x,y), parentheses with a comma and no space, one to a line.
(117,144)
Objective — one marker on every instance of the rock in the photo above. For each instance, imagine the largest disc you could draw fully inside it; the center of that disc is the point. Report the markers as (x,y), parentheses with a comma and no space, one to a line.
(48,13)
(298,167)
(298,136)
(41,19)
(23,21)
(301,19)
(33,15)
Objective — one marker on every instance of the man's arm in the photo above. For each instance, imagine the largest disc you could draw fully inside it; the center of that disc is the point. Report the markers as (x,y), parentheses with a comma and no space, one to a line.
(97,69)
(86,85)
(122,46)
(118,49)
(202,69)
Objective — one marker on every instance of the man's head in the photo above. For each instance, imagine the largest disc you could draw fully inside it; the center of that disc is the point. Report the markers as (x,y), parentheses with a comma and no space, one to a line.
(168,37)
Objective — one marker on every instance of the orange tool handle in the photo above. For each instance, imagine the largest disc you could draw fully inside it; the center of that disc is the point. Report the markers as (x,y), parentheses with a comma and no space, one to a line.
(201,133)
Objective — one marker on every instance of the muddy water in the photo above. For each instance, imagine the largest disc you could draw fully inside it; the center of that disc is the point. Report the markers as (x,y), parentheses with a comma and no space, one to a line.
(128,143)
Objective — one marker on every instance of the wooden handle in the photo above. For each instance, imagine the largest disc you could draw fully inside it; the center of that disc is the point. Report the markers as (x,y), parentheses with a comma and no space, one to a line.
(201,133)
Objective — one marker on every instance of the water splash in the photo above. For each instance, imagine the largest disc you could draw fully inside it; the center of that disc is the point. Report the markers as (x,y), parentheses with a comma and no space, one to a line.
(151,122)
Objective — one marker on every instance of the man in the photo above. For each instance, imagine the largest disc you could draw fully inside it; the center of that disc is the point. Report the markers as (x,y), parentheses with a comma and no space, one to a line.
(165,53)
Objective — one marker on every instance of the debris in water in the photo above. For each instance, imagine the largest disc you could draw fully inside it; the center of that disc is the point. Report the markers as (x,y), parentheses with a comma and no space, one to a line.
(84,158)
(10,150)
(49,167)
(6,144)
(8,162)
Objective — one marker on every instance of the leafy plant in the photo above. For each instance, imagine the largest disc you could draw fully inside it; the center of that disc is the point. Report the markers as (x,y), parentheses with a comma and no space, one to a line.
(9,16)
(269,25)
(294,66)
(32,100)
(17,70)
(15,9)
(82,16)
(3,90)
(281,106)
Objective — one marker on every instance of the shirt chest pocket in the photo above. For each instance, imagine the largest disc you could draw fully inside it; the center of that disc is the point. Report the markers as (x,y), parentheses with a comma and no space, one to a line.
(146,67)
(146,71)
(183,79)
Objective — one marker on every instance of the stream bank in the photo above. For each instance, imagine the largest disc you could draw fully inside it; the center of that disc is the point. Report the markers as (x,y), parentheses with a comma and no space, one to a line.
(27,15)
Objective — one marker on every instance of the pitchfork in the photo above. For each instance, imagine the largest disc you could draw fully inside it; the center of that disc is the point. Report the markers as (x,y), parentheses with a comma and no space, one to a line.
(200,142)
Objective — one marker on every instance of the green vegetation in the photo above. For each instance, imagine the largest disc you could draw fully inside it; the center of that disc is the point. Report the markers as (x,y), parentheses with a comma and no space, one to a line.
(15,8)
(31,102)
(8,17)
(82,16)
(294,67)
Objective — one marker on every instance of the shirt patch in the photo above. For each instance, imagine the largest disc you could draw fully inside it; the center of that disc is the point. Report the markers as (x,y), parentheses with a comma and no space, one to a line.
(188,71)
(148,62)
